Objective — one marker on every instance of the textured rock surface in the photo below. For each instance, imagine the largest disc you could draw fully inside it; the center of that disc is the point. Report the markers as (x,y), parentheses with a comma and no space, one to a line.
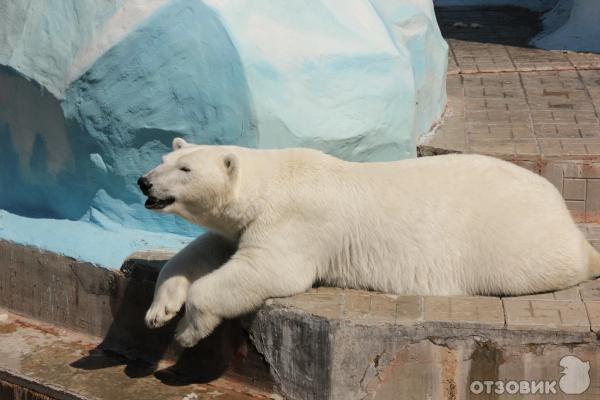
(93,93)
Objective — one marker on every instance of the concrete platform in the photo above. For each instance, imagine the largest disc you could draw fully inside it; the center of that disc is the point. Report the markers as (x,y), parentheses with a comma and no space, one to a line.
(324,344)
(534,107)
(376,346)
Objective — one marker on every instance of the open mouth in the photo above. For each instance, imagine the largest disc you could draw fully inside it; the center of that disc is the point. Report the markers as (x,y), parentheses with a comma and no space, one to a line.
(153,203)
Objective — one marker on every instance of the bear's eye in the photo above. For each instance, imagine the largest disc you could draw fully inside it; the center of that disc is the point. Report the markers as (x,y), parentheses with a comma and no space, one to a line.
(184,169)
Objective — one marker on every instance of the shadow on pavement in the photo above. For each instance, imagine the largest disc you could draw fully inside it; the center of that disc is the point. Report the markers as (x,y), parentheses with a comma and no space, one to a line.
(513,26)
(129,342)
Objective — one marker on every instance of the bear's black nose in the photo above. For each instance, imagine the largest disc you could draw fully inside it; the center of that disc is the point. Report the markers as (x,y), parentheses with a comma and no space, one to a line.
(144,185)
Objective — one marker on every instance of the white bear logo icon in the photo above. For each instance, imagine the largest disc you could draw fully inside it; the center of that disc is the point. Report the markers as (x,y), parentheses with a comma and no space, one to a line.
(576,376)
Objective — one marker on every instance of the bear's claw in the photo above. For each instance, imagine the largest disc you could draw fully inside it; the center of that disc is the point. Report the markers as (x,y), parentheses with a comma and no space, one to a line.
(168,300)
(159,315)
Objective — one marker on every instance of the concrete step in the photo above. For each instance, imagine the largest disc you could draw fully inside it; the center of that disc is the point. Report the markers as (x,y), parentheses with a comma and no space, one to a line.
(43,361)
(365,345)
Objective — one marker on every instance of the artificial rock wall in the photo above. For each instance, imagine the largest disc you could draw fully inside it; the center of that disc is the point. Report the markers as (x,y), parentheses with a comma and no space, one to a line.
(92,93)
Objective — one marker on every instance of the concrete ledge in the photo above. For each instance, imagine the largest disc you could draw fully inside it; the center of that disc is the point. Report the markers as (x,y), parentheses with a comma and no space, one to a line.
(327,343)
(358,345)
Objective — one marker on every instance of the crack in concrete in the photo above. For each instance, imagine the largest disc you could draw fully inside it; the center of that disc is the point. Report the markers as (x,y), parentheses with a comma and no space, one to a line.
(526,70)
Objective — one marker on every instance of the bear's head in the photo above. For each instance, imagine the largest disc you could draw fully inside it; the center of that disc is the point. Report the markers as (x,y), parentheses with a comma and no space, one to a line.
(193,181)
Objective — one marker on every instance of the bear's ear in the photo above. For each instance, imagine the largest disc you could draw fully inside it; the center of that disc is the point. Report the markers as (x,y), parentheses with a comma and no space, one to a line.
(179,143)
(231,164)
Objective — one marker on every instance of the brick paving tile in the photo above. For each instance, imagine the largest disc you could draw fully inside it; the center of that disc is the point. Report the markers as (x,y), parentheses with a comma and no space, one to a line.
(499,93)
(527,59)
(471,311)
(574,188)
(571,294)
(327,304)
(546,314)
(409,308)
(356,304)
(584,60)
(382,308)
(527,149)
(592,234)
(592,231)
(481,57)
(561,310)
(576,206)
(590,290)
(369,307)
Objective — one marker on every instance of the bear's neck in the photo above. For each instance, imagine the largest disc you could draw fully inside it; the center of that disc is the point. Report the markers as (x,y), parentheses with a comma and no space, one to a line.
(231,218)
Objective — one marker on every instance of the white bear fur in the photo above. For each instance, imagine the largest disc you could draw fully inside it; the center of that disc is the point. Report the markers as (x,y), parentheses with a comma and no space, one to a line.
(444,225)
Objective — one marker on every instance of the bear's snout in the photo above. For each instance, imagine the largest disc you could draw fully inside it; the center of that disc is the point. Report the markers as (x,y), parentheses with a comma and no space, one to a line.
(144,185)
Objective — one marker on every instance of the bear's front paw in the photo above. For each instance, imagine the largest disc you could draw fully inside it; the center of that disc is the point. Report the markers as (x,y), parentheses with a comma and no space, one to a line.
(164,308)
(189,333)
(159,314)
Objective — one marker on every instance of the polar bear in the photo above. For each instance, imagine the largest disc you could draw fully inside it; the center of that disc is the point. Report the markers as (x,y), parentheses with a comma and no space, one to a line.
(444,225)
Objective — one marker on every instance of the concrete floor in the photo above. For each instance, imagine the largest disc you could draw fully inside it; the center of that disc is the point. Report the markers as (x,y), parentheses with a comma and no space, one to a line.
(39,358)
(507,99)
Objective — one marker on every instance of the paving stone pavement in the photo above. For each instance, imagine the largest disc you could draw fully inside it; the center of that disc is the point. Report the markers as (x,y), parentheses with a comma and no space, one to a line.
(464,311)
(522,115)
(514,101)
(526,314)
(575,309)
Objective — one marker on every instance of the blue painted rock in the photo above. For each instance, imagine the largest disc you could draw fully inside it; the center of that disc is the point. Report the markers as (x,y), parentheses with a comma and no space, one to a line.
(571,25)
(94,92)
